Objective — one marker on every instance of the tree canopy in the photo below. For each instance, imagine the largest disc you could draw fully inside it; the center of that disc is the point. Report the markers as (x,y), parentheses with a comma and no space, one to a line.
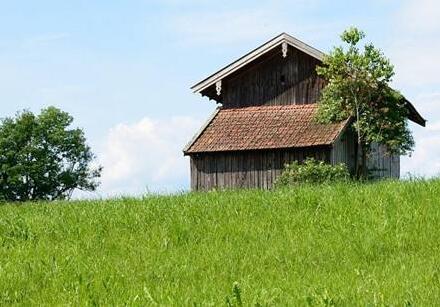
(41,158)
(359,88)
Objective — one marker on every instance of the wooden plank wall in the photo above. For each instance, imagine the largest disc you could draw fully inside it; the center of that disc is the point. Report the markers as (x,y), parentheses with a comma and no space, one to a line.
(250,169)
(344,150)
(274,80)
(381,164)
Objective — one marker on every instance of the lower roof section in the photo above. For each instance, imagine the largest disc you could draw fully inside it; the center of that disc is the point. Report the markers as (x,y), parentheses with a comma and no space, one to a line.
(264,127)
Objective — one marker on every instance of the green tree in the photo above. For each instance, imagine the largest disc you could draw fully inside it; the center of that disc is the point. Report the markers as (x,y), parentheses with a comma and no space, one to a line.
(358,88)
(42,159)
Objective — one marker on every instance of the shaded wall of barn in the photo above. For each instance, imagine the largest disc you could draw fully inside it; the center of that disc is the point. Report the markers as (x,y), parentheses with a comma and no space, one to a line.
(247,169)
(272,80)
(380,163)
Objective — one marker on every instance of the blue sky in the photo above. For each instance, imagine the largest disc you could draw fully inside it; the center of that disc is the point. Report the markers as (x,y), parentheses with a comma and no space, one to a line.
(123,69)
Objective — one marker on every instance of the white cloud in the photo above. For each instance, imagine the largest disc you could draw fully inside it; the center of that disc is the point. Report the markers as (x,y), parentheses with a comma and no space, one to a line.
(146,155)
(416,62)
(420,16)
(435,127)
(415,49)
(425,161)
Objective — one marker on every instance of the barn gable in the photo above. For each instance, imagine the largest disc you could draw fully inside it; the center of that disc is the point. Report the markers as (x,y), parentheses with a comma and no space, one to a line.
(280,72)
(279,44)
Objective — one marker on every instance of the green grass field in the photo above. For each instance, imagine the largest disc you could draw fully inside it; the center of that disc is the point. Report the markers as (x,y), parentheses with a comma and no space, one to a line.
(372,244)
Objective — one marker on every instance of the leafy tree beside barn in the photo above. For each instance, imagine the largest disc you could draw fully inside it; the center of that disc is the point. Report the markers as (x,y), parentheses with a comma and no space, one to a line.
(359,88)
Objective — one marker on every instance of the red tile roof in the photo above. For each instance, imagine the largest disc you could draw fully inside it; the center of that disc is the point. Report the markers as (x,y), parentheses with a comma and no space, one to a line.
(264,127)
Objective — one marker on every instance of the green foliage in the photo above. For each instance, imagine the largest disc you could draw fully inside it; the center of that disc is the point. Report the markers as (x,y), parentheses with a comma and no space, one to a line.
(359,88)
(345,244)
(352,36)
(312,171)
(42,159)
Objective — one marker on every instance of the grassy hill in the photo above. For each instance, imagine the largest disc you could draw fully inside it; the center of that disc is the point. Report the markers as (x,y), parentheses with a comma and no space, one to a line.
(369,244)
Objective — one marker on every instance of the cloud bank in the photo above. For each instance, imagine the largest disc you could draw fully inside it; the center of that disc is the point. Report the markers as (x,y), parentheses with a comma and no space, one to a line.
(146,156)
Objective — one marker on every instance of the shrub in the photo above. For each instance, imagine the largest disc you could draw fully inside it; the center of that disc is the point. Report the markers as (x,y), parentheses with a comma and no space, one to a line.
(312,171)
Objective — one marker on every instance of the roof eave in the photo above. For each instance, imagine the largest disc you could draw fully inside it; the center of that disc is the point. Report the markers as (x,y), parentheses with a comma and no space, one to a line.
(323,145)
(346,123)
(199,133)
(414,115)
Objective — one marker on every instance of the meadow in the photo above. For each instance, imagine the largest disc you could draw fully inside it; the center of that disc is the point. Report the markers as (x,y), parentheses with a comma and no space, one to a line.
(343,245)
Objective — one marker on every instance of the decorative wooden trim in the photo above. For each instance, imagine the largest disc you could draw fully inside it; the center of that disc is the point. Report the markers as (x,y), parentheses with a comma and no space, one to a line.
(284,49)
(218,87)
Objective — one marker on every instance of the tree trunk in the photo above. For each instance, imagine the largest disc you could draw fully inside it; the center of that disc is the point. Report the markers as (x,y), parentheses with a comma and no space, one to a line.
(364,162)
(361,160)
(360,165)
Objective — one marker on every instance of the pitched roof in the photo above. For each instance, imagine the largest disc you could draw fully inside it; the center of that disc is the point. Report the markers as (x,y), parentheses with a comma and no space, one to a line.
(254,54)
(264,127)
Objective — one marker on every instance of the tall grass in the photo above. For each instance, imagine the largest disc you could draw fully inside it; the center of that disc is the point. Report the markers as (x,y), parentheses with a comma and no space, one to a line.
(345,244)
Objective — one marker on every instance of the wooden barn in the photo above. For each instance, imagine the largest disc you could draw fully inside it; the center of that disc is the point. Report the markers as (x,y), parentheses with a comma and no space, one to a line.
(267,101)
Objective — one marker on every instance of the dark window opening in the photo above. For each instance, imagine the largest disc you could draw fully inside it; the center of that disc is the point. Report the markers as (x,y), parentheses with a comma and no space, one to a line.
(283,79)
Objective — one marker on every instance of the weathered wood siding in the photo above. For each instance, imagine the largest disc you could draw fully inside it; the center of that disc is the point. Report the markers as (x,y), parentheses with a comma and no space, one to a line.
(344,150)
(274,80)
(250,169)
(381,164)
